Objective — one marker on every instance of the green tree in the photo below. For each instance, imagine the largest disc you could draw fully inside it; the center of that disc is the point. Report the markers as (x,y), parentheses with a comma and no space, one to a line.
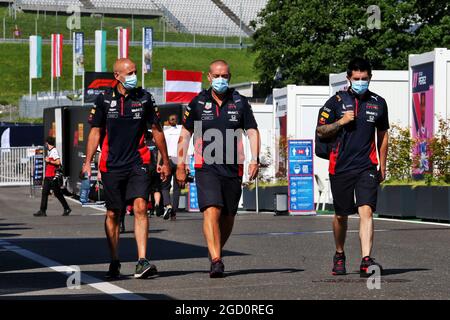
(308,39)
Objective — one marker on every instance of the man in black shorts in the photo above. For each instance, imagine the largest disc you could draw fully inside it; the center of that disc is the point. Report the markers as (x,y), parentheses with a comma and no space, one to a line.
(218,117)
(119,120)
(353,119)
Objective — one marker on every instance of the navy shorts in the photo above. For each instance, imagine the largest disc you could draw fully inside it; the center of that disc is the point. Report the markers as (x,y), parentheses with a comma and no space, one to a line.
(362,185)
(214,190)
(122,187)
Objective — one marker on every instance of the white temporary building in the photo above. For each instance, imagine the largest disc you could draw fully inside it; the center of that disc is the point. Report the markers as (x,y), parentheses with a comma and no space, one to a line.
(295,117)
(433,69)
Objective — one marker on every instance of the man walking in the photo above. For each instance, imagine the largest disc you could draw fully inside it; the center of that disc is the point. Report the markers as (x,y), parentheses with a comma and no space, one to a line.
(52,163)
(119,119)
(172,134)
(352,119)
(217,117)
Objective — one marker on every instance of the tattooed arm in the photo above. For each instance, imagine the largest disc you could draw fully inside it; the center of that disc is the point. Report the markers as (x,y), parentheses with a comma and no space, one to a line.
(330,130)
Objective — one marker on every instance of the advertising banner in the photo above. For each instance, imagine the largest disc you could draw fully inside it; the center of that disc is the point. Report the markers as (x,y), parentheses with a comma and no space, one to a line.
(423,117)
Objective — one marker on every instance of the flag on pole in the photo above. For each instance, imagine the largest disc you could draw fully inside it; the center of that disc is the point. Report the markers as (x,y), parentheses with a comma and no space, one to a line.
(182,86)
(100,51)
(35,57)
(57,52)
(123,37)
(78,53)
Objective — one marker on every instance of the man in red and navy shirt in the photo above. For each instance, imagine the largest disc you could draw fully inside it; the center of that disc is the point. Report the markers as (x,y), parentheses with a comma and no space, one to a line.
(218,117)
(357,121)
(52,163)
(119,120)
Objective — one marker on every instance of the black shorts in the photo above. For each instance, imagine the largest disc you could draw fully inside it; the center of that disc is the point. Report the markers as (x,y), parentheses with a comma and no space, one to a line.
(360,184)
(218,191)
(155,182)
(122,187)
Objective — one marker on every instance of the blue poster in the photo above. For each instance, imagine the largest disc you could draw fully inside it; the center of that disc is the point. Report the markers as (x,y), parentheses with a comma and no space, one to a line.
(301,193)
(300,157)
(192,195)
(301,175)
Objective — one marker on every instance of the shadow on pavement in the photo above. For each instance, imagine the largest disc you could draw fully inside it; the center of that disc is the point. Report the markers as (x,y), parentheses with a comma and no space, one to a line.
(92,251)
(389,272)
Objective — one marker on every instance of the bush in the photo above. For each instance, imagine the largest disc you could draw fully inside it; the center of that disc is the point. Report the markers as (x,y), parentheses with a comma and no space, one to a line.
(440,152)
(399,161)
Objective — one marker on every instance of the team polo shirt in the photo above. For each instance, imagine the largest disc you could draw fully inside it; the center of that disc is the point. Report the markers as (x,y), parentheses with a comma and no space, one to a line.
(355,148)
(50,168)
(125,120)
(234,114)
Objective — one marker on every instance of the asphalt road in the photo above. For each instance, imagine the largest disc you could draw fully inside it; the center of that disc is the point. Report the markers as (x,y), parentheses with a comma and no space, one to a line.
(267,257)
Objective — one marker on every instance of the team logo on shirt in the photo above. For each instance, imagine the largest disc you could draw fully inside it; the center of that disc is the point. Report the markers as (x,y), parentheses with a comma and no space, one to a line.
(322,120)
(113,103)
(325,115)
(208,105)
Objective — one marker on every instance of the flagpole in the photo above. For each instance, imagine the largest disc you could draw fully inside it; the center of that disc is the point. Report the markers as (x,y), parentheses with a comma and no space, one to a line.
(164,85)
(143,45)
(51,68)
(73,62)
(82,92)
(29,70)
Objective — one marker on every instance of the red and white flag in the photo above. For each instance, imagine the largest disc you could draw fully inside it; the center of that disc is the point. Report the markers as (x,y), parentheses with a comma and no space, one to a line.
(57,55)
(182,86)
(123,38)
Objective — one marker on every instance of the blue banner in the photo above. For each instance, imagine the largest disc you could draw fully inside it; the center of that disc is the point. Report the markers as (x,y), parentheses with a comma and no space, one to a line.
(147,49)
(78,53)
(301,175)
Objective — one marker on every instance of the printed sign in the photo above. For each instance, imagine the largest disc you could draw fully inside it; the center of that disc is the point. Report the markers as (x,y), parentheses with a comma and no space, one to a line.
(301,176)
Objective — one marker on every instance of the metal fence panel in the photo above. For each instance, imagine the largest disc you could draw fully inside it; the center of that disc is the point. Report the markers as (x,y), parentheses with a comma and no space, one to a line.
(16,165)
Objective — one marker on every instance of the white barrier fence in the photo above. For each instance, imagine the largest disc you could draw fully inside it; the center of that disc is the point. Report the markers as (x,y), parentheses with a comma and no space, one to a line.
(16,164)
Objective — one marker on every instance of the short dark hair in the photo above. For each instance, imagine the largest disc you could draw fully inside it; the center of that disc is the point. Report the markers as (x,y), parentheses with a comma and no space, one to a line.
(50,140)
(359,64)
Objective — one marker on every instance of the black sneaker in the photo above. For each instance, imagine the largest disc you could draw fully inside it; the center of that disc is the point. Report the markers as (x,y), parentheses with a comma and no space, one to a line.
(366,263)
(40,214)
(173,216)
(67,212)
(339,264)
(217,269)
(114,270)
(159,210)
(145,269)
(168,213)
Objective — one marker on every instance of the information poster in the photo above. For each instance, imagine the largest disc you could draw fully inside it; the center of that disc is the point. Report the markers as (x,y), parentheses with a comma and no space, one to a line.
(301,176)
(192,196)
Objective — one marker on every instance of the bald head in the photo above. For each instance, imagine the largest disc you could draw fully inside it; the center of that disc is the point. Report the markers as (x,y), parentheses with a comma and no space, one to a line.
(123,63)
(219,64)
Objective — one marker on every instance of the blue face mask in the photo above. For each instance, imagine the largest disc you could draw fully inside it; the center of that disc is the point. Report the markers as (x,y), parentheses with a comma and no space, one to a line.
(360,86)
(130,82)
(220,85)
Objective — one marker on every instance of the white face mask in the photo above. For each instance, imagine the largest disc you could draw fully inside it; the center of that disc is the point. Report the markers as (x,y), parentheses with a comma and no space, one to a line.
(130,82)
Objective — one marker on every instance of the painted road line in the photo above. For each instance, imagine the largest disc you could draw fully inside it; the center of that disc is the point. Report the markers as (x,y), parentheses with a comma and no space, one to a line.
(103,210)
(395,220)
(298,233)
(105,287)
